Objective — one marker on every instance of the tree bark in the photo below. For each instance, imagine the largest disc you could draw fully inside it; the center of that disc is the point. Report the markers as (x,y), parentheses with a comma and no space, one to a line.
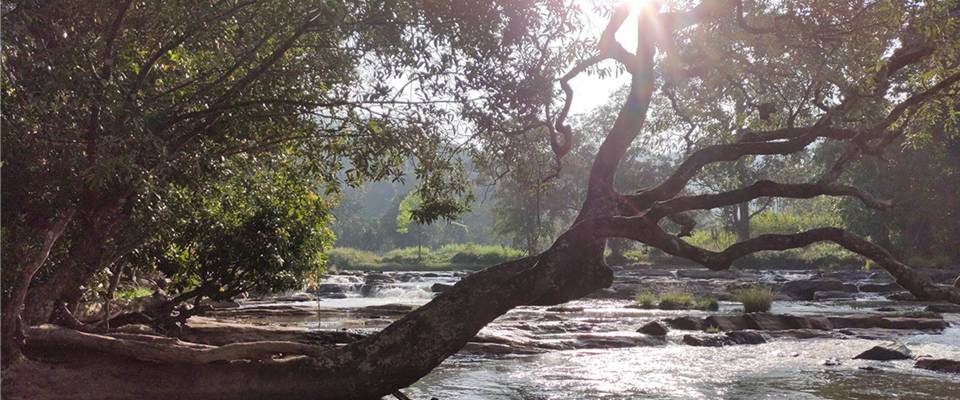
(13,308)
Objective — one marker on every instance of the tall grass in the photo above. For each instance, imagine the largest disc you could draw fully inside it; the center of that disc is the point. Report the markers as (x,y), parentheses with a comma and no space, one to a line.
(755,299)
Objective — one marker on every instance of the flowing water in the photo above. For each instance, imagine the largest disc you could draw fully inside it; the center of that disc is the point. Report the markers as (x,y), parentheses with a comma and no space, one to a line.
(779,369)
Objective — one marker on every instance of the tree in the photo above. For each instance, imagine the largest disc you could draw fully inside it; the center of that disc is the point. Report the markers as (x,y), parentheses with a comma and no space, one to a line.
(904,67)
(111,105)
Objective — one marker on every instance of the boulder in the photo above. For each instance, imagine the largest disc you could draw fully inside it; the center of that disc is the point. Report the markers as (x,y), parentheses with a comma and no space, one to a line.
(706,340)
(746,337)
(685,323)
(654,328)
(886,352)
(378,277)
(440,287)
(769,322)
(728,323)
(804,289)
(831,294)
(939,364)
(324,289)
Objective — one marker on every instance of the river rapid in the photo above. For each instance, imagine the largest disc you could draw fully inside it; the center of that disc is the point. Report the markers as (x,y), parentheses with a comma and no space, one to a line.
(589,349)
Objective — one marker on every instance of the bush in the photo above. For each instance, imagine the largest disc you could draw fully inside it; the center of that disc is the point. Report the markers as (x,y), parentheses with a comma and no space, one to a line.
(675,301)
(646,299)
(755,299)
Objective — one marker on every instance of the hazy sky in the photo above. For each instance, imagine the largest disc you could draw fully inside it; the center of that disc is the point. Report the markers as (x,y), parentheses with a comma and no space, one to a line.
(591,91)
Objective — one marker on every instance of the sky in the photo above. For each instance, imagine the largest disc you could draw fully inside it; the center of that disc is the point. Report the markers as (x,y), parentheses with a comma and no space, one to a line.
(589,91)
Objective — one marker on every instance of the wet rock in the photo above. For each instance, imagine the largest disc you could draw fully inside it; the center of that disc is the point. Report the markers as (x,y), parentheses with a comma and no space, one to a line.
(608,341)
(707,340)
(846,276)
(880,287)
(832,361)
(879,321)
(326,289)
(378,277)
(440,287)
(706,274)
(728,322)
(886,352)
(831,294)
(770,322)
(939,364)
(746,337)
(296,297)
(564,309)
(886,309)
(498,349)
(943,308)
(806,334)
(804,289)
(902,296)
(389,309)
(654,328)
(685,323)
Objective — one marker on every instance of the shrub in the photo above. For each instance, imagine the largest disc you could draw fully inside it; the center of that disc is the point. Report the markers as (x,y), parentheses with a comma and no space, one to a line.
(706,304)
(712,329)
(755,299)
(646,299)
(676,301)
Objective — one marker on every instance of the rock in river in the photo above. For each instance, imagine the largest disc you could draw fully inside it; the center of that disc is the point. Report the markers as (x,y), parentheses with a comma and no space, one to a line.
(939,364)
(440,287)
(653,328)
(885,352)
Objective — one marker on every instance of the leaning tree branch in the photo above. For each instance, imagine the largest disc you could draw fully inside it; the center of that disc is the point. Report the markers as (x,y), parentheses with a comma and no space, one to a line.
(762,188)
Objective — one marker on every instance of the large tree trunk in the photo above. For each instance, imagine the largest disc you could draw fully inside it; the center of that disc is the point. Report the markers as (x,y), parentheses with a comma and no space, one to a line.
(13,307)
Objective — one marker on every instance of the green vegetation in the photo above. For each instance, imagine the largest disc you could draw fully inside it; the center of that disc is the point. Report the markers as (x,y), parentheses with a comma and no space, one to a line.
(755,299)
(132,293)
(646,299)
(712,329)
(451,256)
(675,300)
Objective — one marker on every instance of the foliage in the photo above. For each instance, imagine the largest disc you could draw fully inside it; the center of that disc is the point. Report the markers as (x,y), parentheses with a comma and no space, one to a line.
(132,293)
(262,231)
(451,256)
(755,299)
(646,299)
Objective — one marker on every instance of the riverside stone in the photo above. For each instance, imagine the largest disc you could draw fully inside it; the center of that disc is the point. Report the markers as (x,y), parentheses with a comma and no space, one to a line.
(886,352)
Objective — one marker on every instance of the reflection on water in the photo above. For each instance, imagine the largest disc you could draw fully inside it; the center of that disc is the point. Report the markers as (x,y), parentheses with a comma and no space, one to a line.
(779,370)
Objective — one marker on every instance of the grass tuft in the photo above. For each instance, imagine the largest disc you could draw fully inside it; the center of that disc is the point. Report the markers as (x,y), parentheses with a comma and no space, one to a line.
(755,299)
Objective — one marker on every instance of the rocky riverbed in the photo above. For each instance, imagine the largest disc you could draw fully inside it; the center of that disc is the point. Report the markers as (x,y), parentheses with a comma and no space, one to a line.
(810,346)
